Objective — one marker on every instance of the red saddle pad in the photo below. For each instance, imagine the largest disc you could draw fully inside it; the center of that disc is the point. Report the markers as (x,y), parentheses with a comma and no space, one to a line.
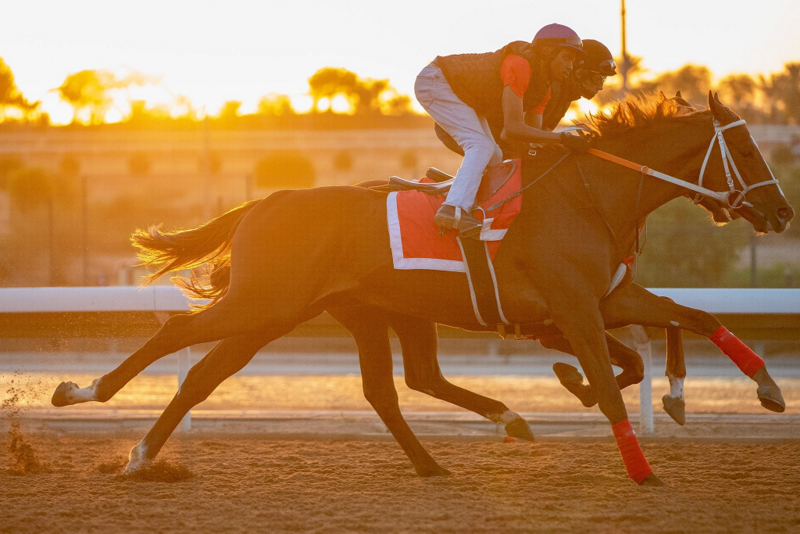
(415,239)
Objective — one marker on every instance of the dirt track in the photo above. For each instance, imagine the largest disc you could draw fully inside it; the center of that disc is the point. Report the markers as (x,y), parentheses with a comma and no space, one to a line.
(252,483)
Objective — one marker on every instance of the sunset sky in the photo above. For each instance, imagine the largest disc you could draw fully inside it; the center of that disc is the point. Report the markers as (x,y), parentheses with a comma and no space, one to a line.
(247,49)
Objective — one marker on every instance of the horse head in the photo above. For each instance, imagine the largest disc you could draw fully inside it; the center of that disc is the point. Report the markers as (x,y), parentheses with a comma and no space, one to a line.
(736,164)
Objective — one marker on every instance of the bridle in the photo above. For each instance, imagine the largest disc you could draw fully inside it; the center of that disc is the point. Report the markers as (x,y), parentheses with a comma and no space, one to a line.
(733,198)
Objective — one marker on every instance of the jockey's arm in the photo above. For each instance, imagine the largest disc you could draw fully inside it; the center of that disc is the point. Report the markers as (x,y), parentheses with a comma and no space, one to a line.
(514,126)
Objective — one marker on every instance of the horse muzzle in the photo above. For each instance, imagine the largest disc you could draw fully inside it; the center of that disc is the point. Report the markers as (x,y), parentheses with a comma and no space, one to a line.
(784,215)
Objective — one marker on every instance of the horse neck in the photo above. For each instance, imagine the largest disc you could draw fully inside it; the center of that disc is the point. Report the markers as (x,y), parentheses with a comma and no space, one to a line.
(675,147)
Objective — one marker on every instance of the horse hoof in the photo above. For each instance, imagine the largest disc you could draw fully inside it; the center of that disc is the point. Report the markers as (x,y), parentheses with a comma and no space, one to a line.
(59,399)
(572,380)
(519,428)
(676,408)
(652,480)
(771,398)
(567,374)
(137,460)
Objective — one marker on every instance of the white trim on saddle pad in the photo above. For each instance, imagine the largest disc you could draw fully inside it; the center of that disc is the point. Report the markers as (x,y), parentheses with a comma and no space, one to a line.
(490,234)
(396,242)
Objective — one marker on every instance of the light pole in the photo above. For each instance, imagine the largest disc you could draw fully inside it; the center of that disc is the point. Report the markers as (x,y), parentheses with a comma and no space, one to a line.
(624,63)
(753,266)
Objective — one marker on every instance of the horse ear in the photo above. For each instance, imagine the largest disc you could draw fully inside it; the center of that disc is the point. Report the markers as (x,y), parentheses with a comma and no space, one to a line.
(678,95)
(662,96)
(712,105)
(718,109)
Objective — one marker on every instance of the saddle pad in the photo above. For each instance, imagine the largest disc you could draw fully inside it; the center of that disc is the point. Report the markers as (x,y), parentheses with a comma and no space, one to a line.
(415,239)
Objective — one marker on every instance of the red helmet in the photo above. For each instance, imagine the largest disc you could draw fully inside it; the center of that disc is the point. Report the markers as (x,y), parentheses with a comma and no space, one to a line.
(558,35)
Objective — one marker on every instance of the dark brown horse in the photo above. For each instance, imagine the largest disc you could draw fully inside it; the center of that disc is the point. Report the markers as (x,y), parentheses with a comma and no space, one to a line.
(285,259)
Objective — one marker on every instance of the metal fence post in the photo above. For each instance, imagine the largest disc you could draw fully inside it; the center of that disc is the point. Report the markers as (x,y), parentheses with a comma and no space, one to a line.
(184,363)
(643,347)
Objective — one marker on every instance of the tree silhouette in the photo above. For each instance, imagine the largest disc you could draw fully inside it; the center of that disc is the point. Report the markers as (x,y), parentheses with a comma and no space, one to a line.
(782,91)
(275,105)
(10,96)
(739,92)
(397,105)
(329,82)
(363,94)
(693,81)
(90,90)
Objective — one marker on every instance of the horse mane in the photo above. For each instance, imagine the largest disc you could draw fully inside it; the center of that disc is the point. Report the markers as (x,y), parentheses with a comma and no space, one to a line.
(636,111)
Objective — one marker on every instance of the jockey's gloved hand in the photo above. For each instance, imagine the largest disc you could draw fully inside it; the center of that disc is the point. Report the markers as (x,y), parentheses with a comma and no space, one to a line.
(576,143)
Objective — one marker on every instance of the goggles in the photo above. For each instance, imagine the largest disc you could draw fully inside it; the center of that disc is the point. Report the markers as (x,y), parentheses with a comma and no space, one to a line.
(607,68)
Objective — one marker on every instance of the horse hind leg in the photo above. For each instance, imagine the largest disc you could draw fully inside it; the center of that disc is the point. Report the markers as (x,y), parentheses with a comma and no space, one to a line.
(418,339)
(371,334)
(225,359)
(226,318)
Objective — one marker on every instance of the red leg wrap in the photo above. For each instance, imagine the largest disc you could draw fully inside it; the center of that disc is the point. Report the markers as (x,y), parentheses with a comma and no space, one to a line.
(635,463)
(744,358)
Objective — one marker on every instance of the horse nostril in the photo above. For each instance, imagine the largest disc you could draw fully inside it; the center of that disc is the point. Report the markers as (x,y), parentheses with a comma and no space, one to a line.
(786,213)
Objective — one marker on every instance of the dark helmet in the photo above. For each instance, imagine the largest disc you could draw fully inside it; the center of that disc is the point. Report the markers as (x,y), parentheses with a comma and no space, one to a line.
(558,35)
(598,58)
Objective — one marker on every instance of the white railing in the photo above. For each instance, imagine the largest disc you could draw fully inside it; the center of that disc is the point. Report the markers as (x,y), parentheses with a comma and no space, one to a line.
(768,310)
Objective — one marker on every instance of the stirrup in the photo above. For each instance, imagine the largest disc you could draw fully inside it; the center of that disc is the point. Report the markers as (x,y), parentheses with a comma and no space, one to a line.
(460,220)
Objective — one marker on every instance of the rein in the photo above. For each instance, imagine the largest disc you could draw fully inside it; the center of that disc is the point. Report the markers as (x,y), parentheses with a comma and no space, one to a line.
(517,193)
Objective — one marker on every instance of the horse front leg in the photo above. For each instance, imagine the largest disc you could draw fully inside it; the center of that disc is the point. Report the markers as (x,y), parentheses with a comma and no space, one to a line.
(582,325)
(633,304)
(419,341)
(674,403)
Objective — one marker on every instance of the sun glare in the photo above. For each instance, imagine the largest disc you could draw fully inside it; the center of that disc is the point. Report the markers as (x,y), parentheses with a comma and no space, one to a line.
(302,103)
(340,104)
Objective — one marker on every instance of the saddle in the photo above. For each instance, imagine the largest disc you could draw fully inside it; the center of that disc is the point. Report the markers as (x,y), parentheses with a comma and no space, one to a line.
(493,179)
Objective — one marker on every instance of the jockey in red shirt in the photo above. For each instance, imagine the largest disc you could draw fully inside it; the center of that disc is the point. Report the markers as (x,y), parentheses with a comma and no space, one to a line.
(585,81)
(465,93)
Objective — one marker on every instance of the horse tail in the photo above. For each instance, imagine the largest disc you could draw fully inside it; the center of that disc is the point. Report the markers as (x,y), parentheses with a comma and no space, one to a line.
(208,244)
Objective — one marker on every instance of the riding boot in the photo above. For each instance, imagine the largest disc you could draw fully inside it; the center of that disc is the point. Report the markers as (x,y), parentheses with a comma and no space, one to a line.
(448,217)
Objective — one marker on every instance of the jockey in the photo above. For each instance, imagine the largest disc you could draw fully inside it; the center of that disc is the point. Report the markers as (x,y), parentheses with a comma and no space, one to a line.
(584,82)
(465,93)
